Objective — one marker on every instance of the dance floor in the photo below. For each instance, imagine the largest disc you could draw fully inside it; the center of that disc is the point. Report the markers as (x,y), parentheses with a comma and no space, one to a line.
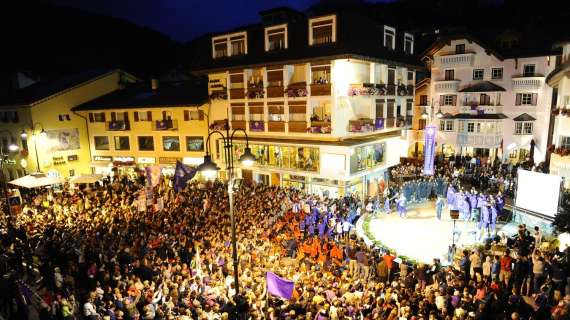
(421,236)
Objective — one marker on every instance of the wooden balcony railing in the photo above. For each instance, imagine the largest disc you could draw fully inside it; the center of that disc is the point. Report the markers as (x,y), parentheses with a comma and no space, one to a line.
(255,93)
(297,126)
(276,126)
(237,93)
(118,125)
(296,90)
(257,126)
(321,89)
(238,124)
(275,92)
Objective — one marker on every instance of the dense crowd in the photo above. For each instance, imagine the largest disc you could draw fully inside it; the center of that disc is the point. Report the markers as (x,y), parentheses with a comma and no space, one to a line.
(97,253)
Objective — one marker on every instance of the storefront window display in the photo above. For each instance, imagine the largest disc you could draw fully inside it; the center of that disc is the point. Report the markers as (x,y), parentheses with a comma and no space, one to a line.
(295,181)
(367,157)
(327,188)
(283,157)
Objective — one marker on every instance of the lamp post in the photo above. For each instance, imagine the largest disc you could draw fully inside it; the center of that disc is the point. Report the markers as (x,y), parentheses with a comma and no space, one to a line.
(429,115)
(12,147)
(42,134)
(209,169)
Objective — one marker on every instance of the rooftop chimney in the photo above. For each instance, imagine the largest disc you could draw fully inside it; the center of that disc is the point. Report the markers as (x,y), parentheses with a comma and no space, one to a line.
(154,84)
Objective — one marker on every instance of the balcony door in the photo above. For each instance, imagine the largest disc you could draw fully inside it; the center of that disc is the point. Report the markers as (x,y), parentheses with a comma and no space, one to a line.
(391,76)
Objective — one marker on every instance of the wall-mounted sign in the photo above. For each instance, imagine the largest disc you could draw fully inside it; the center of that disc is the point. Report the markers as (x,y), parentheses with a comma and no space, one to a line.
(146,160)
(103,158)
(124,159)
(72,157)
(192,161)
(58,161)
(168,160)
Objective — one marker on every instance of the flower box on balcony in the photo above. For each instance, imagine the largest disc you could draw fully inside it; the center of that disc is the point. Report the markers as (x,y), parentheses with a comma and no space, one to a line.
(257,126)
(118,125)
(320,127)
(366,89)
(165,124)
(296,90)
(361,125)
(255,93)
(219,95)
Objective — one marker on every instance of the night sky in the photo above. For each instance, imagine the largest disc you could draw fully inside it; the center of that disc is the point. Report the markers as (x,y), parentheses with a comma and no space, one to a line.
(183,20)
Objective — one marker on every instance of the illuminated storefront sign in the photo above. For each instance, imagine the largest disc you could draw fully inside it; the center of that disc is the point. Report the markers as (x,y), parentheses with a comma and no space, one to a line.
(103,158)
(146,160)
(168,160)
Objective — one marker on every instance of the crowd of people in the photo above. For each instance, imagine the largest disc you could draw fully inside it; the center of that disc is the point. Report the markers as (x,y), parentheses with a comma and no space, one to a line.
(99,253)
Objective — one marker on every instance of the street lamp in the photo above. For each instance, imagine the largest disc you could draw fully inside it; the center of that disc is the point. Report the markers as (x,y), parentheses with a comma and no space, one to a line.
(12,147)
(209,169)
(42,134)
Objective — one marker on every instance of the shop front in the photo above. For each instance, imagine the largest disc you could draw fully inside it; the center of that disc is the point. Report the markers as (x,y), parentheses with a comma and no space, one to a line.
(168,165)
(295,181)
(327,187)
(102,165)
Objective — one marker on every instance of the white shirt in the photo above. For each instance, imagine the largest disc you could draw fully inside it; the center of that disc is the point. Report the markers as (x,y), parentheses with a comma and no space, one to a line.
(89,309)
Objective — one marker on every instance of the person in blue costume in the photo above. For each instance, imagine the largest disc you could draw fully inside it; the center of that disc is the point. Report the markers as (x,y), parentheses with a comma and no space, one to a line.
(401,205)
(493,220)
(387,205)
(463,206)
(485,219)
(451,198)
(500,201)
(473,204)
(439,205)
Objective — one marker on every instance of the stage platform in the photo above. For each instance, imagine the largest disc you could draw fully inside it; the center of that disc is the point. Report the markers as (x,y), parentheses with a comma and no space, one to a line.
(421,236)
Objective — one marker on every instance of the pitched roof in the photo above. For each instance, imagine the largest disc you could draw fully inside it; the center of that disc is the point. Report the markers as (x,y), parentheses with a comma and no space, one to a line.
(483,86)
(357,37)
(176,93)
(524,117)
(45,89)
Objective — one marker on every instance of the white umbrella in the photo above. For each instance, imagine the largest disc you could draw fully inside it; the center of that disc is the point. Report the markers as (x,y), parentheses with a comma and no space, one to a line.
(86,178)
(36,180)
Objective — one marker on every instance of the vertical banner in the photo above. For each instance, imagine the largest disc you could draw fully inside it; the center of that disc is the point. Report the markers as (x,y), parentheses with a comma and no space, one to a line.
(429,150)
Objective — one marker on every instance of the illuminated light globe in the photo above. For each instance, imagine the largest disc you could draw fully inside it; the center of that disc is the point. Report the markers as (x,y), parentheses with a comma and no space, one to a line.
(43,134)
(247,159)
(13,147)
(24,135)
(208,168)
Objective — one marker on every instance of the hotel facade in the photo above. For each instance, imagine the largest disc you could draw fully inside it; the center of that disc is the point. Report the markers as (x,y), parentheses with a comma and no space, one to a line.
(324,111)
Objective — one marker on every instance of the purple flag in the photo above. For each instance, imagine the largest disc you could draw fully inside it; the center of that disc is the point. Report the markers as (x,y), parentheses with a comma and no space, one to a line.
(429,150)
(278,286)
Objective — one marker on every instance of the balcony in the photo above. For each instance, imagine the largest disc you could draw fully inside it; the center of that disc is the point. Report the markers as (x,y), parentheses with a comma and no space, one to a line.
(276,126)
(238,124)
(320,89)
(478,140)
(275,92)
(361,126)
(118,125)
(255,93)
(164,125)
(455,60)
(297,90)
(391,89)
(297,126)
(257,126)
(527,83)
(219,95)
(320,127)
(447,86)
(237,93)
(404,90)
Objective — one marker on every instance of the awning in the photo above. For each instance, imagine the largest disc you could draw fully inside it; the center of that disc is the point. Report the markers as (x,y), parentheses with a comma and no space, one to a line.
(524,117)
(86,178)
(36,180)
(483,86)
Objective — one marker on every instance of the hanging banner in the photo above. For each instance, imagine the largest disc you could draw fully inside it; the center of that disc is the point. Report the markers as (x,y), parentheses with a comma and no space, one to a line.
(429,150)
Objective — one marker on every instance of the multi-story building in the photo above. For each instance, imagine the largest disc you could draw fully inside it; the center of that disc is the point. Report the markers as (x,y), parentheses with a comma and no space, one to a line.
(53,139)
(495,102)
(559,80)
(323,106)
(147,124)
(419,119)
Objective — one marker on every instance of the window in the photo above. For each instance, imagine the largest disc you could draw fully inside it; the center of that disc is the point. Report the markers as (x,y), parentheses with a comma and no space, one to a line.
(460,49)
(119,116)
(449,125)
(390,37)
(194,144)
(470,127)
(422,124)
(96,116)
(411,77)
(527,127)
(484,99)
(101,142)
(143,116)
(449,74)
(229,45)
(565,142)
(478,74)
(526,99)
(529,70)
(408,43)
(64,117)
(496,73)
(322,30)
(171,143)
(146,143)
(193,115)
(122,143)
(461,127)
(423,100)
(448,100)
(276,38)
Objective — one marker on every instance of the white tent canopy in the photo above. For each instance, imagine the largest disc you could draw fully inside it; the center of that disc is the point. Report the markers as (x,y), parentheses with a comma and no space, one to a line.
(86,178)
(36,180)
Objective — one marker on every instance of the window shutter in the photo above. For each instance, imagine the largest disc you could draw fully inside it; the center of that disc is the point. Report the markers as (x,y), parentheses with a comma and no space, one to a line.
(454,102)
(91,117)
(441,99)
(68,117)
(518,99)
(200,115)
(113,116)
(126,116)
(163,115)
(149,115)
(104,116)
(186,115)
(136,116)
(534,99)
(60,117)
(16,117)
